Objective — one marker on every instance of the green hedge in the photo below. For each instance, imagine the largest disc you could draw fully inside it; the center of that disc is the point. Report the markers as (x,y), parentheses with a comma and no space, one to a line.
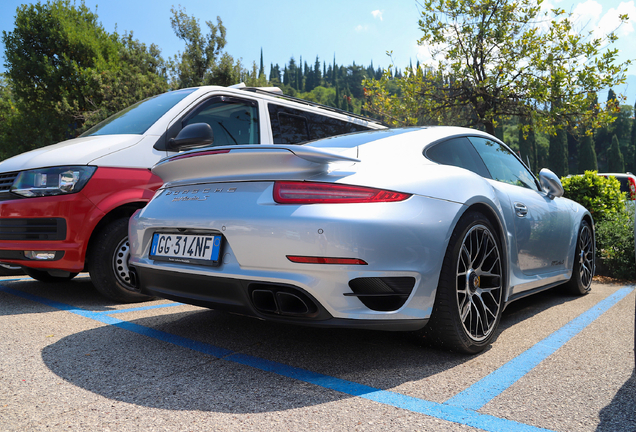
(613,221)
(602,196)
(615,244)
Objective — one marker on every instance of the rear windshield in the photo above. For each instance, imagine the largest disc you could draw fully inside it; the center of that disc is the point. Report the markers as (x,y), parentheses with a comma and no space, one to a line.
(137,118)
(355,139)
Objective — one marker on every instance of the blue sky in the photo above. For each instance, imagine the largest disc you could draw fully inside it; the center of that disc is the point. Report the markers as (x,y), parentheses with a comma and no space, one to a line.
(359,31)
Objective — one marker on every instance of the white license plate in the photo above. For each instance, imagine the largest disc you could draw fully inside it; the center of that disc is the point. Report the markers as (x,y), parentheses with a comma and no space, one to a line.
(187,248)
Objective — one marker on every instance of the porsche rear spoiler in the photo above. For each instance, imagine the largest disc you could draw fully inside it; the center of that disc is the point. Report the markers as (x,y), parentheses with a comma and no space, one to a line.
(248,162)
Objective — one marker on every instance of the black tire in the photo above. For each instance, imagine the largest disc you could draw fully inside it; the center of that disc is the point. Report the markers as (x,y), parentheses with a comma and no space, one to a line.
(45,276)
(108,263)
(470,293)
(12,271)
(583,269)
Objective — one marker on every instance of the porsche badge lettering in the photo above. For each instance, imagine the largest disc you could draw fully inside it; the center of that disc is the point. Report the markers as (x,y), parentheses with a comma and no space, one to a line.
(192,195)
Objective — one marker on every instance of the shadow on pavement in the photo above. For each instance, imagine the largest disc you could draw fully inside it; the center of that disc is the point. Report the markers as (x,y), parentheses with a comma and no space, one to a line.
(620,414)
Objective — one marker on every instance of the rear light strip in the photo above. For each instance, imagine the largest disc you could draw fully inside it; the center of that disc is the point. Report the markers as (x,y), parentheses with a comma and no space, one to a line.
(331,193)
(325,260)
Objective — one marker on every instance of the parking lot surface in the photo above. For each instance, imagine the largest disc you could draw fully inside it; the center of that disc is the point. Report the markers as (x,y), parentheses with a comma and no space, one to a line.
(72,360)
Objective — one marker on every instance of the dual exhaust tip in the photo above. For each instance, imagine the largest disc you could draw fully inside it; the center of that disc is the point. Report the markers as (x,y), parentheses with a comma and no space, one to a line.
(282,301)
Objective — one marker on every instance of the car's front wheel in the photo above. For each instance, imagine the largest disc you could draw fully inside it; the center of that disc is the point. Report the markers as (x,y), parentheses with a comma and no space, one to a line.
(469,298)
(108,263)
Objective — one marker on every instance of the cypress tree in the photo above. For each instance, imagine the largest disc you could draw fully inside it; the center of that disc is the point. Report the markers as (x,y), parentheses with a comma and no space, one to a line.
(499,130)
(261,71)
(604,135)
(633,136)
(615,162)
(557,158)
(528,146)
(587,155)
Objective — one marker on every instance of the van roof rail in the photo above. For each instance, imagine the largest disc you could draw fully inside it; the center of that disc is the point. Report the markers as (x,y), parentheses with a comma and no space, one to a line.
(277,92)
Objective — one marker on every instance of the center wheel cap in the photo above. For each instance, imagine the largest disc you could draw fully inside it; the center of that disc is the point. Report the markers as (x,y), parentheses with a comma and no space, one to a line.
(473,281)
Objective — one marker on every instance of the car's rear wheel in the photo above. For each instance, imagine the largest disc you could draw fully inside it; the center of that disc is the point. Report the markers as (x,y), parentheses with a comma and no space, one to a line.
(108,263)
(46,276)
(583,269)
(469,298)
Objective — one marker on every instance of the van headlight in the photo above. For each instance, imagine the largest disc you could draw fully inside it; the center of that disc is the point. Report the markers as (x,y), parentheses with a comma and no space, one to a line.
(52,181)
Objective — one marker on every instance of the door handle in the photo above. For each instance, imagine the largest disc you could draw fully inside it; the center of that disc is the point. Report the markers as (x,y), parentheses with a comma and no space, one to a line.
(521,209)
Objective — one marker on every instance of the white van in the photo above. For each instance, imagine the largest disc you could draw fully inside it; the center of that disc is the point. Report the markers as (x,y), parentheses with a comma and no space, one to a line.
(64,208)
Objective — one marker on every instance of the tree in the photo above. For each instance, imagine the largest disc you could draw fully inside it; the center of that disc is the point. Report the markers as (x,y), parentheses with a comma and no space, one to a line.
(497,58)
(557,157)
(142,74)
(65,73)
(633,137)
(191,67)
(587,155)
(261,71)
(275,75)
(528,146)
(621,127)
(615,162)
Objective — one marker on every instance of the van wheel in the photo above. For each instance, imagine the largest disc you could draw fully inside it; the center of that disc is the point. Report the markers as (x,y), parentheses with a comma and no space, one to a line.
(108,263)
(45,276)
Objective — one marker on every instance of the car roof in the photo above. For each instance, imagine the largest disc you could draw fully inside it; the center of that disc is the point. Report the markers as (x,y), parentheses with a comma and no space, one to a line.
(421,136)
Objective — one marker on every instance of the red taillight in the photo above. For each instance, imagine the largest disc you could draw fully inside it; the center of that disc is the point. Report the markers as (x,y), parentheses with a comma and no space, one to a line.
(325,260)
(331,193)
(201,153)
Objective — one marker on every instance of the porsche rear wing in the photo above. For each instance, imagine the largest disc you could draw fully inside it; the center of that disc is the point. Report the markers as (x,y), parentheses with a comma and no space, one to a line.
(248,162)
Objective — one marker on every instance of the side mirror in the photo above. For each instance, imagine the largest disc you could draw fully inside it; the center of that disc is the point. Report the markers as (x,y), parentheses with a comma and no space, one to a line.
(192,136)
(550,183)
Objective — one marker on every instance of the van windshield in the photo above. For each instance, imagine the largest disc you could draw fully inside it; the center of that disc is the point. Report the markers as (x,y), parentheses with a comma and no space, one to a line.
(137,118)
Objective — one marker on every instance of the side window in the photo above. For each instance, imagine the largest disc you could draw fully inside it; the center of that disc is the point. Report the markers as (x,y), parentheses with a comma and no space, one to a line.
(294,126)
(292,129)
(323,126)
(233,121)
(460,153)
(502,163)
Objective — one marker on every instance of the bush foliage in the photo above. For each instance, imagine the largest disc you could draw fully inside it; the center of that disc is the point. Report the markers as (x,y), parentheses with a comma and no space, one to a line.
(602,196)
(614,221)
(615,244)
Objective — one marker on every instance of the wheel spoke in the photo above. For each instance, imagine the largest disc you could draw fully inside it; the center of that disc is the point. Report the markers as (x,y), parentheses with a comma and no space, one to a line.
(465,310)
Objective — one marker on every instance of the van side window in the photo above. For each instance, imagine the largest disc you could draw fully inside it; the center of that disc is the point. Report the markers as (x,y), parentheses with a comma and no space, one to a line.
(293,129)
(293,126)
(233,121)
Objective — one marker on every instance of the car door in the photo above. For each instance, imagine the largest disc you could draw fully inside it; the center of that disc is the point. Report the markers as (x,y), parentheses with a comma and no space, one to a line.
(541,223)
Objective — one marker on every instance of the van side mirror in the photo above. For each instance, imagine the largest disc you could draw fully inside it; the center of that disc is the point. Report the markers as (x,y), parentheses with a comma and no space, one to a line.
(550,183)
(192,136)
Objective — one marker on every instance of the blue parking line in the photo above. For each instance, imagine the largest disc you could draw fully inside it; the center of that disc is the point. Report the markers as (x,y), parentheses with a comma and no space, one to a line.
(143,308)
(385,397)
(135,328)
(483,391)
(459,409)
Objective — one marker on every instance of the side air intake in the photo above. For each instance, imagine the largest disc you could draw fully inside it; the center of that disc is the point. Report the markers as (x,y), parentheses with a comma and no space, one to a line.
(382,294)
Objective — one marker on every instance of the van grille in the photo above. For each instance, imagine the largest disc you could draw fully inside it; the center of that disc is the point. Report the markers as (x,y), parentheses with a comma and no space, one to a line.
(6,180)
(33,229)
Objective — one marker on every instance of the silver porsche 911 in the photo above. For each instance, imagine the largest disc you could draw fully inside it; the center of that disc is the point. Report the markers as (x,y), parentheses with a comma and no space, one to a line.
(433,230)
